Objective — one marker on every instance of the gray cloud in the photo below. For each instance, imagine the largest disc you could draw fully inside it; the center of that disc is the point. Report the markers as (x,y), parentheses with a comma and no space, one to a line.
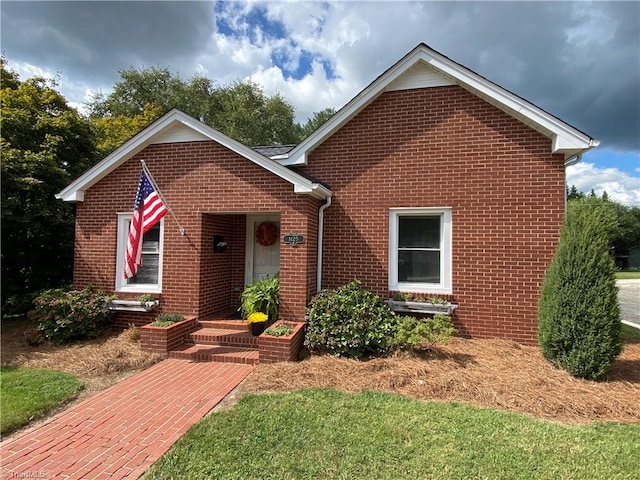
(93,40)
(577,60)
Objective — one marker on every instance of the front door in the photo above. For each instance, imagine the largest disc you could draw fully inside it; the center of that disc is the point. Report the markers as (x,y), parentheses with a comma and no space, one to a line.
(263,250)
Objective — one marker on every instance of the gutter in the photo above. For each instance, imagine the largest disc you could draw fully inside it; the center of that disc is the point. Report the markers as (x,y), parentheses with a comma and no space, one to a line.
(320,235)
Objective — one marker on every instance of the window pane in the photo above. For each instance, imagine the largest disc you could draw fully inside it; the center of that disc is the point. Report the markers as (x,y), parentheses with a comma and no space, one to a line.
(419,232)
(418,266)
(151,240)
(148,271)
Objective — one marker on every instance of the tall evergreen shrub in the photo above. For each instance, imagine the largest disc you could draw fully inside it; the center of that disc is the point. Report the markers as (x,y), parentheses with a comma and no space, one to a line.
(579,326)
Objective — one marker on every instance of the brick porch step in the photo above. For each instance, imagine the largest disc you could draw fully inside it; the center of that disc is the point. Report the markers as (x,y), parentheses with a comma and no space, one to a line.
(224,337)
(225,324)
(211,353)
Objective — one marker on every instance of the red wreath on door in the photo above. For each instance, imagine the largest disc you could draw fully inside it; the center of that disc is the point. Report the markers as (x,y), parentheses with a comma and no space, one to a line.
(266,234)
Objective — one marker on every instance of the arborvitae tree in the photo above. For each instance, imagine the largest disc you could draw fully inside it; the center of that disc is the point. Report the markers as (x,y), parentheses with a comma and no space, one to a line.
(579,326)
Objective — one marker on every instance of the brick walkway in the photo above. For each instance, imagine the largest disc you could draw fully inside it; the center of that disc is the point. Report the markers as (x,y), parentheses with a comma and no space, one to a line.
(121,431)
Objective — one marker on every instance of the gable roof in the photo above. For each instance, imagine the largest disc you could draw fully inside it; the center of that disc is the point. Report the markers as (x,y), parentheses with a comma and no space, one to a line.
(178,126)
(424,66)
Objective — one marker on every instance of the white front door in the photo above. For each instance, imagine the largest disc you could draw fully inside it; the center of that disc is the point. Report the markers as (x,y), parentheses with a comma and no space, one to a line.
(262,260)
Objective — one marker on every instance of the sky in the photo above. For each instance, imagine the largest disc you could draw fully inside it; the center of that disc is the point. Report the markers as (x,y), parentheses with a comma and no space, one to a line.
(579,61)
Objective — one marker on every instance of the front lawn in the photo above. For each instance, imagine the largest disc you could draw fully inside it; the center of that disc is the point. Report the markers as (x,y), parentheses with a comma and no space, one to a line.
(628,274)
(29,393)
(323,433)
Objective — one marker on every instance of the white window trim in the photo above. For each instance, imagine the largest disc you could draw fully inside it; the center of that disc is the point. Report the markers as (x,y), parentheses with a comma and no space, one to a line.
(121,282)
(445,285)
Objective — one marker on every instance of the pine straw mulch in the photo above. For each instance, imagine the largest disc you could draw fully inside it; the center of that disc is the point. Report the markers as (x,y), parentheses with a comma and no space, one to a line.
(490,373)
(99,362)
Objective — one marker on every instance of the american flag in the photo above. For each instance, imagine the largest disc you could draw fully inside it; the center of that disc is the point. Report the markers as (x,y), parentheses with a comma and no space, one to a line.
(147,211)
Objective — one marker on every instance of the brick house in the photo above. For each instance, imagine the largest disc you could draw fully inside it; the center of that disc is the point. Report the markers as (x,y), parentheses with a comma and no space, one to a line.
(432,180)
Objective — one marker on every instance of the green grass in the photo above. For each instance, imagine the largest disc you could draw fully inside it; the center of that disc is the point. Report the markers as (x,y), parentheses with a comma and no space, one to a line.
(325,434)
(630,334)
(628,274)
(29,393)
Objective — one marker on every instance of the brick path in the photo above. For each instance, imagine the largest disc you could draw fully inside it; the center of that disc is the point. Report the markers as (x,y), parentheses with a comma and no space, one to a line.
(121,431)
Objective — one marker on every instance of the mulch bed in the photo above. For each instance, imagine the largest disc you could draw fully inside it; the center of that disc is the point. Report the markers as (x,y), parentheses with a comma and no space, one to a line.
(491,373)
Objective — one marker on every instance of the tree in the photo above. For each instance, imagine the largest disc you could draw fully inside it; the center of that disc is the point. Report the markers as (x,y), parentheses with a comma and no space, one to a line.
(246,114)
(579,326)
(573,193)
(113,130)
(240,110)
(316,121)
(45,143)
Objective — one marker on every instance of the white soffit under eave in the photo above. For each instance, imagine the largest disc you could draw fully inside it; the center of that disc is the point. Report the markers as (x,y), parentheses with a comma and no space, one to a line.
(178,132)
(419,75)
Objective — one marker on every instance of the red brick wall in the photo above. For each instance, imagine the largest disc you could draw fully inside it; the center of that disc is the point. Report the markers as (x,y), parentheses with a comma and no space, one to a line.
(197,178)
(443,147)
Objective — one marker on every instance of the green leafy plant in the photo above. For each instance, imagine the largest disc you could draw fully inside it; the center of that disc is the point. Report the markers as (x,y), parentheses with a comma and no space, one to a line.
(437,300)
(402,297)
(262,296)
(146,298)
(167,319)
(349,321)
(413,333)
(579,326)
(66,315)
(281,330)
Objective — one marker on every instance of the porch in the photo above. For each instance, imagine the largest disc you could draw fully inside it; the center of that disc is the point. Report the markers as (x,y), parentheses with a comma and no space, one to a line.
(221,340)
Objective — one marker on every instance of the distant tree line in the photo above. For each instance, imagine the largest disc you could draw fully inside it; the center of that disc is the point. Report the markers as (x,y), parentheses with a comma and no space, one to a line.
(625,231)
(46,144)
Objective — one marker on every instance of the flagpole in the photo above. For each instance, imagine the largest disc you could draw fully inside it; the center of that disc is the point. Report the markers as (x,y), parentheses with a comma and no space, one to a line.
(164,200)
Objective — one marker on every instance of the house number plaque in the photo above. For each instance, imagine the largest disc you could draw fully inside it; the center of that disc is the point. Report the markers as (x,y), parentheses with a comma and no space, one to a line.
(293,239)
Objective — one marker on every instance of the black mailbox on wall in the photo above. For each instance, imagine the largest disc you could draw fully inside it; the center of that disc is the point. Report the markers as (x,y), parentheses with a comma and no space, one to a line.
(219,245)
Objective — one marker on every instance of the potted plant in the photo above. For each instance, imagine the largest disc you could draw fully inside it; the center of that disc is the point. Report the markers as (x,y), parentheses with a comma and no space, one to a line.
(257,322)
(261,296)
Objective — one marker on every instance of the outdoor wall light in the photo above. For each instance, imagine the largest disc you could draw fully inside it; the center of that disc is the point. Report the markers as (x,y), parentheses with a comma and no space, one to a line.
(219,245)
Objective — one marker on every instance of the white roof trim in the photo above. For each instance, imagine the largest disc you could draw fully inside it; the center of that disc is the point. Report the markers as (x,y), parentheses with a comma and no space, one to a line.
(565,138)
(75,191)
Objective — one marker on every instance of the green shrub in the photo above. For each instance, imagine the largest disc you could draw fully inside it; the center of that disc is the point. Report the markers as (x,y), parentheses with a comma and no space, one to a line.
(281,330)
(66,315)
(413,333)
(166,319)
(349,321)
(262,296)
(579,326)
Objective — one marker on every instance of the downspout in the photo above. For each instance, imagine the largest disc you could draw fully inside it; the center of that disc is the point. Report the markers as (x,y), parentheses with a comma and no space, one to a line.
(320,235)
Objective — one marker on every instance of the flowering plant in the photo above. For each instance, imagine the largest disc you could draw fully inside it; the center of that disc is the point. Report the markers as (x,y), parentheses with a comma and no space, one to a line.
(257,317)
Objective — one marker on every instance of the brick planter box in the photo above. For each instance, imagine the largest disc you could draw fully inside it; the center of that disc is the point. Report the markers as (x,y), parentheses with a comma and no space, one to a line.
(281,349)
(161,340)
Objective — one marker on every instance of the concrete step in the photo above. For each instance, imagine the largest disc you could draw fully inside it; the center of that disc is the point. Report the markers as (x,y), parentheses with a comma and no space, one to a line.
(211,353)
(223,336)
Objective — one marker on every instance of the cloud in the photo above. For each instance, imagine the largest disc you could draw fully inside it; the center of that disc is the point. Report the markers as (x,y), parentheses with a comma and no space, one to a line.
(620,186)
(577,60)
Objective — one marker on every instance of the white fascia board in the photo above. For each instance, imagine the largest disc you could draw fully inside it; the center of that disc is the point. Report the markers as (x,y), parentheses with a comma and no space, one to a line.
(511,103)
(112,161)
(74,192)
(298,156)
(467,78)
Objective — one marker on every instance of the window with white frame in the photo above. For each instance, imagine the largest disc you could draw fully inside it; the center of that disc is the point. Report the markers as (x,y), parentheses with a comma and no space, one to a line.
(420,250)
(148,279)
